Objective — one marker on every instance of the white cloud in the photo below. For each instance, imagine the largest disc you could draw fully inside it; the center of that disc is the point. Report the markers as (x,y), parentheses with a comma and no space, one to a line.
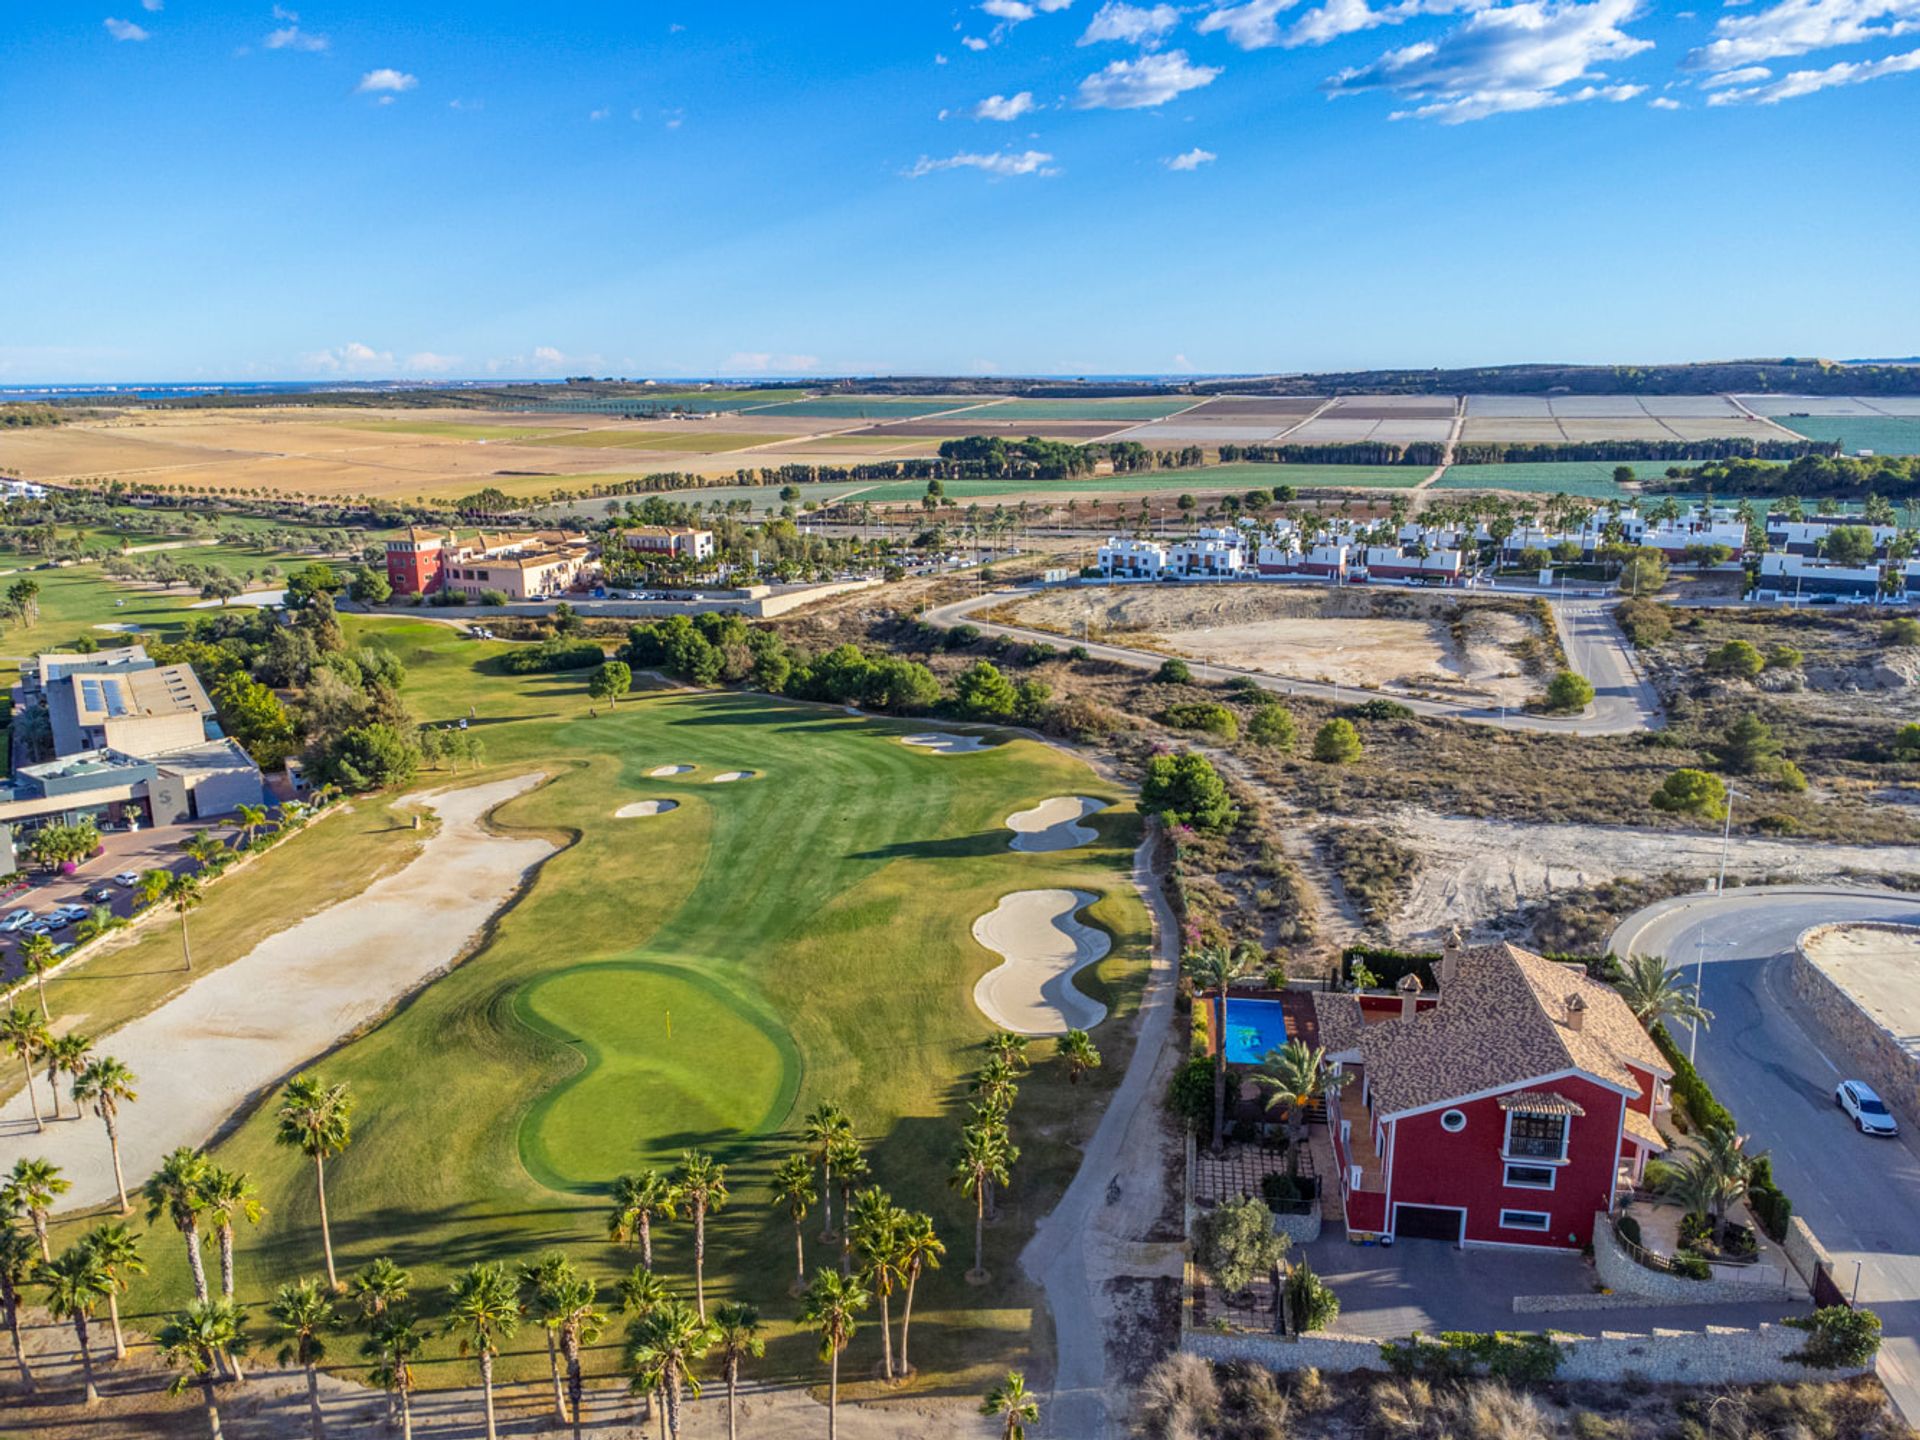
(1147,81)
(761,362)
(1131,24)
(292,17)
(1794,27)
(1000,164)
(1011,11)
(1004,107)
(973,42)
(1807,82)
(151,5)
(1662,102)
(385,82)
(1745,75)
(1519,57)
(352,358)
(1252,26)
(601,114)
(123,29)
(939,59)
(425,362)
(1191,160)
(292,37)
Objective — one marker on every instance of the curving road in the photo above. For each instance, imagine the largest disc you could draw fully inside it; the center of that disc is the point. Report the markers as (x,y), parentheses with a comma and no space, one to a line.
(1861,1196)
(1624,701)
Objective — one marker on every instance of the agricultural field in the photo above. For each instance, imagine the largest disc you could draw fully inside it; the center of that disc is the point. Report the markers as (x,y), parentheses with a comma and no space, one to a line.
(861,407)
(457,430)
(1590,478)
(699,977)
(1142,408)
(1882,434)
(1206,480)
(669,438)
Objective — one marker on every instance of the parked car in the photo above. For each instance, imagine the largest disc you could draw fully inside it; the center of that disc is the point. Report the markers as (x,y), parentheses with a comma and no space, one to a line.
(46,925)
(101,894)
(126,879)
(1867,1110)
(16,920)
(74,912)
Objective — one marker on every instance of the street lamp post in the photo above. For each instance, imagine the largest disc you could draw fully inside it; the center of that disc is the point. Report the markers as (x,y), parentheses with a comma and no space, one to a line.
(1700,946)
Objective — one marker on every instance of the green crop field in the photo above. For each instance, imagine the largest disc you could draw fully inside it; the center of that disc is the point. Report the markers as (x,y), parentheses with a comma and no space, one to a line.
(1590,478)
(860,407)
(1882,435)
(699,978)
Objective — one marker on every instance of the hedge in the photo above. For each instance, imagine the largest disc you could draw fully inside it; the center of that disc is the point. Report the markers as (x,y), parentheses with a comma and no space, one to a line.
(1391,965)
(1770,1205)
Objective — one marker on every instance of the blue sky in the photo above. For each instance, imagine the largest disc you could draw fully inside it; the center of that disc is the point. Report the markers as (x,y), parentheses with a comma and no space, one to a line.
(218,190)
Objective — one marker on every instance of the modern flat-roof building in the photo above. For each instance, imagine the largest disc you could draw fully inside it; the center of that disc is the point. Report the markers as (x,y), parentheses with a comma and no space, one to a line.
(135,711)
(38,671)
(1800,577)
(686,541)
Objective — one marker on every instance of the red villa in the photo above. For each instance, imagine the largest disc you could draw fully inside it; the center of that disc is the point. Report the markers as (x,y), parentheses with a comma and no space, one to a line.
(1507,1113)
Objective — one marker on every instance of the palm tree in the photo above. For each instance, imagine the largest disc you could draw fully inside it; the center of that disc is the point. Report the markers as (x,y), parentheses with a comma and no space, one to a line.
(304,1313)
(183,893)
(980,1162)
(568,1300)
(26,1035)
(32,1187)
(703,1185)
(661,1349)
(1014,1404)
(874,1223)
(119,1254)
(65,1055)
(251,818)
(1010,1049)
(1713,1178)
(396,1341)
(543,1282)
(641,1293)
(152,885)
(850,1167)
(824,1124)
(1654,993)
(995,1085)
(736,1330)
(379,1290)
(832,1302)
(193,1342)
(76,1283)
(106,1085)
(203,848)
(230,1195)
(920,1249)
(1215,967)
(639,1200)
(36,958)
(18,1258)
(1079,1053)
(1292,1076)
(178,1191)
(793,1188)
(317,1120)
(486,1308)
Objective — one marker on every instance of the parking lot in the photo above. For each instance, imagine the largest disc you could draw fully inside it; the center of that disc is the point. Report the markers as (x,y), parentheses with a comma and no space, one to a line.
(156,848)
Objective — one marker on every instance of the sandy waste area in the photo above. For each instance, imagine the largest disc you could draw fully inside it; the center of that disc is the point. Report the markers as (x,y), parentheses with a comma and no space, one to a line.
(945,744)
(1043,943)
(641,808)
(661,772)
(727,777)
(1054,824)
(199,1056)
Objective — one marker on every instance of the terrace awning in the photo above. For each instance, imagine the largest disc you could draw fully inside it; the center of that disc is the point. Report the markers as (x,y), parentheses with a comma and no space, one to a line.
(1540,1102)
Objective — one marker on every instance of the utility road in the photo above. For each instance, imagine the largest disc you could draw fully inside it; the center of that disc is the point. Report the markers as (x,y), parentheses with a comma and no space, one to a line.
(1861,1196)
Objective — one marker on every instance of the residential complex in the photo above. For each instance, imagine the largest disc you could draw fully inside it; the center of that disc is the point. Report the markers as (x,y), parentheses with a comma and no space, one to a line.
(684,541)
(522,565)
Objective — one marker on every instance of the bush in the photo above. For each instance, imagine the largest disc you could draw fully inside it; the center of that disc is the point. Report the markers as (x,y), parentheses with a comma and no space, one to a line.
(1569,692)
(1906,744)
(961,637)
(493,597)
(1690,1266)
(1337,743)
(1272,726)
(1702,1108)
(1736,657)
(1630,1229)
(1784,657)
(1838,1337)
(1207,715)
(1380,710)
(369,757)
(1190,1092)
(983,693)
(1187,790)
(1645,622)
(1311,1303)
(1238,1244)
(1747,746)
(1903,631)
(552,655)
(1174,672)
(1767,1201)
(1078,718)
(1692,792)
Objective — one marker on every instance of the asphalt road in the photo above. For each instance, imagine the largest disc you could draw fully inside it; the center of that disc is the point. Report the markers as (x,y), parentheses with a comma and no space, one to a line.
(1861,1196)
(1623,702)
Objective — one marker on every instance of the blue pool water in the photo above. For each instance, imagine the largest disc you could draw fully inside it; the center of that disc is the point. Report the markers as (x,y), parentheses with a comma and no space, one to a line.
(1253,1028)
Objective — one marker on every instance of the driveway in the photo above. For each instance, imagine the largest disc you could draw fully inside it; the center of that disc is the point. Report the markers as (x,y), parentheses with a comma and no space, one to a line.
(1861,1196)
(1623,702)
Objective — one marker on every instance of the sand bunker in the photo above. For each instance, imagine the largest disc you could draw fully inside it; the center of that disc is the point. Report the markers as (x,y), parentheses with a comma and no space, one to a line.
(727,777)
(1045,945)
(1054,824)
(291,996)
(660,772)
(945,744)
(645,807)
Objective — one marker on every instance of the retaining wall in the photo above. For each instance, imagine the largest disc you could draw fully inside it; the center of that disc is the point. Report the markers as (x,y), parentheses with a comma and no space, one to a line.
(1892,1070)
(1619,1271)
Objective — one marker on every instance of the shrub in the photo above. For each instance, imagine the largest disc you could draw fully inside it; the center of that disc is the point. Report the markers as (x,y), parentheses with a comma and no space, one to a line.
(1280,1190)
(1906,743)
(983,693)
(1838,1337)
(1645,622)
(1736,657)
(1078,653)
(1768,1202)
(1644,572)
(1380,710)
(1784,657)
(1630,1229)
(1568,691)
(1190,1092)
(1272,726)
(553,655)
(1692,792)
(1081,719)
(493,597)
(1903,631)
(1207,715)
(1186,789)
(1336,743)
(1174,672)
(960,637)
(1789,776)
(1747,746)
(1702,1108)
(1311,1303)
(1238,1245)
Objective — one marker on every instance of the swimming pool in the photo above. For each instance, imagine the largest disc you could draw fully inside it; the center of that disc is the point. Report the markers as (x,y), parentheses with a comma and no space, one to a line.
(1253,1028)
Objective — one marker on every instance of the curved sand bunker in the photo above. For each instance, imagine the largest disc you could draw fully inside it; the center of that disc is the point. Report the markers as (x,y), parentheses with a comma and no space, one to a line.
(727,777)
(1044,944)
(292,995)
(945,744)
(661,772)
(641,808)
(1054,824)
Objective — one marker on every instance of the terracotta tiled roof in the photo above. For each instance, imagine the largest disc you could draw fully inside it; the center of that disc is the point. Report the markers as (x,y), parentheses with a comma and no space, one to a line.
(1641,1127)
(1340,1021)
(1506,1019)
(1540,1102)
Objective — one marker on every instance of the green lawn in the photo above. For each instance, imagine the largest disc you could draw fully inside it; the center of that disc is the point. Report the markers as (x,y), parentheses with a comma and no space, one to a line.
(1880,434)
(1201,480)
(1590,478)
(806,936)
(858,407)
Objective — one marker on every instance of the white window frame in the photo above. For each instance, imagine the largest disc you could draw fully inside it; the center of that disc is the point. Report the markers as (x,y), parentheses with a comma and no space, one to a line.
(1566,1141)
(1545,1227)
(1553,1175)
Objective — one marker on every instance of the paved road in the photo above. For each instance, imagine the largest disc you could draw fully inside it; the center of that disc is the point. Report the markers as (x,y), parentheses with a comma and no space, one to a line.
(1860,1196)
(1623,701)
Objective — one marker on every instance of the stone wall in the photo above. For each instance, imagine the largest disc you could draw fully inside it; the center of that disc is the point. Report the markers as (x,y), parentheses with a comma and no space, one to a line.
(1805,1252)
(1304,1229)
(1619,1271)
(1719,1355)
(1890,1069)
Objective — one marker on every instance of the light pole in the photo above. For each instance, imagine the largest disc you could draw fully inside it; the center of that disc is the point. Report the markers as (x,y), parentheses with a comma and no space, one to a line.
(1700,938)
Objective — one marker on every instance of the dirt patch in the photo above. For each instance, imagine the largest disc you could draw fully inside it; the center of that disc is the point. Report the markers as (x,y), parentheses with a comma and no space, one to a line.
(1464,649)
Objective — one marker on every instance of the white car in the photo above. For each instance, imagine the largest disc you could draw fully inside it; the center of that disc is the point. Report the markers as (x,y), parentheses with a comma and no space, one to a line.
(1867,1110)
(127,879)
(16,920)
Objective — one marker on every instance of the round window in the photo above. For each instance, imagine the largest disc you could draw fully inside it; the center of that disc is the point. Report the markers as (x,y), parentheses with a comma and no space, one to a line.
(1453,1122)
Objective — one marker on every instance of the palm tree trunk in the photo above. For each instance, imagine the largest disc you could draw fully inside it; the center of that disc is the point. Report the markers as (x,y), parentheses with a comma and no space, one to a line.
(316,1423)
(799,1259)
(226,1260)
(646,1242)
(672,1387)
(213,1404)
(194,1263)
(113,1319)
(326,1234)
(826,1189)
(406,1410)
(33,1095)
(486,1388)
(53,1084)
(119,1179)
(833,1396)
(886,1339)
(570,1340)
(980,1233)
(733,1399)
(40,1232)
(553,1366)
(1220,1093)
(906,1319)
(12,1303)
(186,948)
(700,1259)
(86,1358)
(40,984)
(233,1364)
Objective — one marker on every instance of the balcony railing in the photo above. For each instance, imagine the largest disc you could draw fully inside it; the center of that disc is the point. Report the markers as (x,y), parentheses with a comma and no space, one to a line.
(1522,1147)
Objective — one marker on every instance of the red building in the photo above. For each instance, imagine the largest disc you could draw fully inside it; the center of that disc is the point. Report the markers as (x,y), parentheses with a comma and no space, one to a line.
(1508,1113)
(417,562)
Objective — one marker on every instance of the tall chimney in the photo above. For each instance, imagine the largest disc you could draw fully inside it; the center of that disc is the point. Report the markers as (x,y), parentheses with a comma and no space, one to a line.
(1409,988)
(1452,951)
(1576,1013)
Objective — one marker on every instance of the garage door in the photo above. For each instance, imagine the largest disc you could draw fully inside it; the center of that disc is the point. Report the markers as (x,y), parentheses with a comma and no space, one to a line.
(1423,1222)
